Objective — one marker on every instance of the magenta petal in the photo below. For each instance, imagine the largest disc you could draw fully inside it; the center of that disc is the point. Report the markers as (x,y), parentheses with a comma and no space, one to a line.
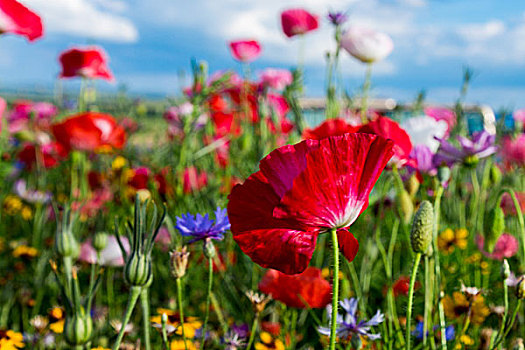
(348,244)
(333,190)
(284,164)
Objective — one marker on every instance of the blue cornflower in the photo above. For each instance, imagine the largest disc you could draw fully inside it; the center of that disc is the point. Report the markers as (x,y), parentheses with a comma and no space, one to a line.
(201,227)
(337,18)
(450,332)
(348,325)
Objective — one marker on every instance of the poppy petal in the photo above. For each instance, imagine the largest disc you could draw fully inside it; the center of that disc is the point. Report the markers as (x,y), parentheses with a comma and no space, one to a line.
(348,244)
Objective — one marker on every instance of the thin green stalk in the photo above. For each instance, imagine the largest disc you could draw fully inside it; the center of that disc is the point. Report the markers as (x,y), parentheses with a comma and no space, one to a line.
(208,300)
(411,298)
(520,221)
(511,324)
(144,301)
(134,294)
(293,328)
(335,288)
(366,88)
(357,286)
(68,267)
(428,300)
(437,265)
(252,332)
(218,311)
(506,312)
(475,198)
(181,311)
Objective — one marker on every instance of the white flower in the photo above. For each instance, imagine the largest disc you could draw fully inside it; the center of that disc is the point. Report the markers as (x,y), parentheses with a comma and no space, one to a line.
(423,130)
(366,45)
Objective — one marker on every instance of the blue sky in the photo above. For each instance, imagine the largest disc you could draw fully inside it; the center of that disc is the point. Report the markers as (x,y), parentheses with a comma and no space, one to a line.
(150,41)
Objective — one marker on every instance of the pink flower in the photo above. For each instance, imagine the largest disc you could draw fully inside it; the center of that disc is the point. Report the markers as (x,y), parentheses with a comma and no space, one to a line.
(519,115)
(17,19)
(89,62)
(298,21)
(366,45)
(276,79)
(245,50)
(109,256)
(163,239)
(441,113)
(507,204)
(506,247)
(513,150)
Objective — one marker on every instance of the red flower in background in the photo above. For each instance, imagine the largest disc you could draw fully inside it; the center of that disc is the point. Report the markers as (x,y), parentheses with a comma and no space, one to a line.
(245,50)
(51,154)
(302,190)
(298,21)
(507,204)
(17,19)
(193,180)
(330,127)
(140,178)
(389,129)
(89,131)
(402,285)
(296,290)
(89,63)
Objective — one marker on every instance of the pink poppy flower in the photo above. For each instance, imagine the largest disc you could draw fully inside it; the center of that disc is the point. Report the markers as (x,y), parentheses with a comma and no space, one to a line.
(301,191)
(441,113)
(366,45)
(90,62)
(109,256)
(519,116)
(276,79)
(17,19)
(245,50)
(506,247)
(298,21)
(507,204)
(513,150)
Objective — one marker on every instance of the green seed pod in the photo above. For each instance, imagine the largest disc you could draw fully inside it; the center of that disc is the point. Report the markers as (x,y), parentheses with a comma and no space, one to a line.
(65,243)
(505,269)
(520,288)
(494,227)
(443,174)
(412,185)
(495,175)
(100,241)
(209,248)
(421,234)
(78,329)
(137,271)
(406,205)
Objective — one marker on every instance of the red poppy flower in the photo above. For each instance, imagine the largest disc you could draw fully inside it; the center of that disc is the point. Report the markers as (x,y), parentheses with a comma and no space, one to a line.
(507,204)
(389,129)
(140,178)
(89,63)
(330,127)
(296,290)
(274,328)
(302,190)
(17,19)
(51,154)
(402,285)
(89,131)
(245,50)
(298,21)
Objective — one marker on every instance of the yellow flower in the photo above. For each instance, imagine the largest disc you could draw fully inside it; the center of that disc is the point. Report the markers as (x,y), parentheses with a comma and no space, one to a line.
(458,305)
(179,345)
(326,273)
(26,213)
(448,240)
(57,320)
(191,324)
(100,348)
(118,163)
(12,205)
(10,340)
(464,339)
(268,343)
(25,252)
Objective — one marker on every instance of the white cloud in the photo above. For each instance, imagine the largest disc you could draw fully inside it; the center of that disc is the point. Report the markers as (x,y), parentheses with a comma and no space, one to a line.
(92,19)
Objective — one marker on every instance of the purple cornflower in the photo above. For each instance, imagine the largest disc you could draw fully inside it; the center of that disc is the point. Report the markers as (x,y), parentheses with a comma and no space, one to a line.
(337,18)
(481,145)
(233,341)
(201,227)
(348,325)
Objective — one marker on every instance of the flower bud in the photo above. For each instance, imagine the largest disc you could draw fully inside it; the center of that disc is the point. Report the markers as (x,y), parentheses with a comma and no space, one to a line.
(143,195)
(495,175)
(179,262)
(209,248)
(65,243)
(100,241)
(505,269)
(406,205)
(471,161)
(137,271)
(421,234)
(520,289)
(412,185)
(494,227)
(78,329)
(443,174)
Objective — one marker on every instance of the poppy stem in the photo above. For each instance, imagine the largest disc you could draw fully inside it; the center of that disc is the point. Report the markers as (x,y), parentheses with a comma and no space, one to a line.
(208,299)
(253,331)
(144,301)
(181,311)
(335,289)
(411,298)
(134,294)
(366,89)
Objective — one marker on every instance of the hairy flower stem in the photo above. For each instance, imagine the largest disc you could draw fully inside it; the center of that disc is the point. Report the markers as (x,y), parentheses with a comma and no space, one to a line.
(512,320)
(411,298)
(428,299)
(144,301)
(366,89)
(181,311)
(437,266)
(335,288)
(208,300)
(68,267)
(252,331)
(134,294)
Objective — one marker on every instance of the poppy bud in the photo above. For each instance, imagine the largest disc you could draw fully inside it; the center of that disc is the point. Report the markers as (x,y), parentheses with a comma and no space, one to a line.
(209,248)
(407,207)
(100,241)
(495,174)
(143,195)
(78,329)
(421,234)
(65,243)
(505,269)
(520,289)
(179,262)
(137,271)
(412,185)
(443,174)
(471,161)
(494,227)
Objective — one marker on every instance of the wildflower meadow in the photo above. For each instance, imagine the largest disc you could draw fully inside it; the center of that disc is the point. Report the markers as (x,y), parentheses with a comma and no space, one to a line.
(231,218)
